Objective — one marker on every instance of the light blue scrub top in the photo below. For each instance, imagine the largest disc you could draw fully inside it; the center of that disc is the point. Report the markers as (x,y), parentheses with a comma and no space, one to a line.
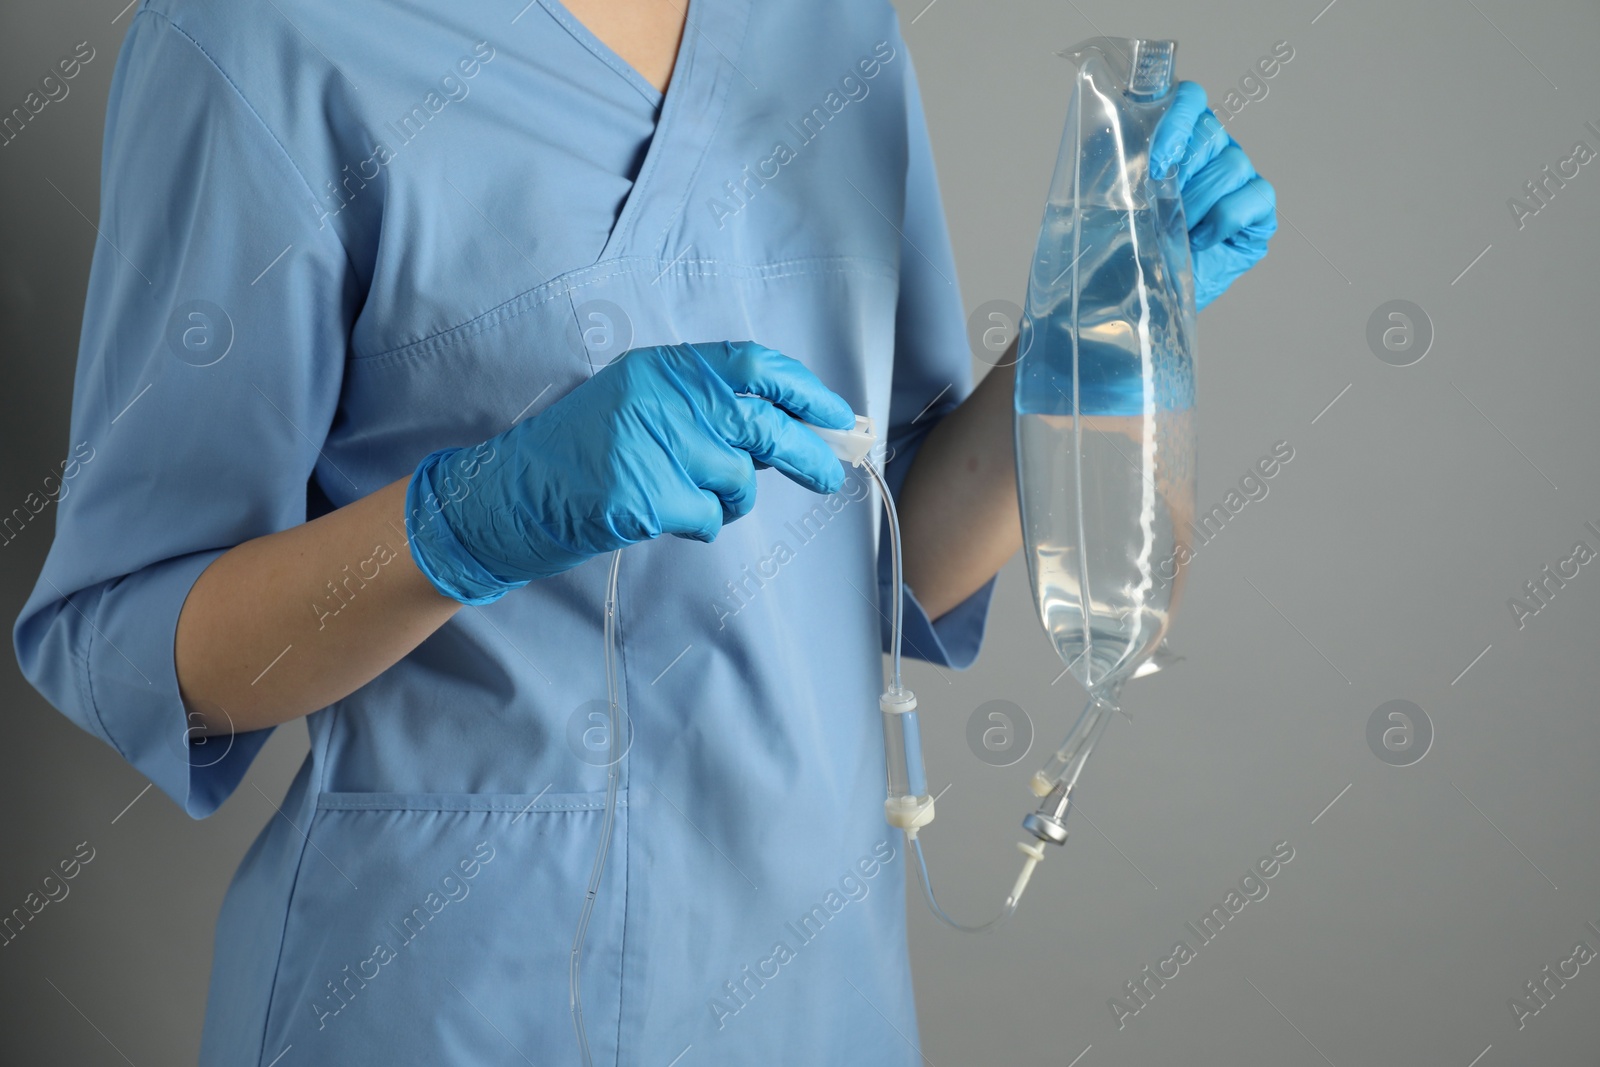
(338,236)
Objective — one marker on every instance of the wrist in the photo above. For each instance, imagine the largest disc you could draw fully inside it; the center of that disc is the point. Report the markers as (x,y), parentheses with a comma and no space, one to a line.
(436,546)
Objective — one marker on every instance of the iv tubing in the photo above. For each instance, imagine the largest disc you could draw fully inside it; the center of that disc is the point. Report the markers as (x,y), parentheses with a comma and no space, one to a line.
(907,804)
(1068,761)
(902,739)
(1033,852)
(613,734)
(894,559)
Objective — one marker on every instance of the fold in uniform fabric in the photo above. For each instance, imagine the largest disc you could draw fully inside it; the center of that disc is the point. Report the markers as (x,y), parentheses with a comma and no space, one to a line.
(337,237)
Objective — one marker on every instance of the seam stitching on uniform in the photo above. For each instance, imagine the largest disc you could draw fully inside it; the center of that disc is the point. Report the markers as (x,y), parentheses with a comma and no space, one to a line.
(564,284)
(633,207)
(245,100)
(652,160)
(543,293)
(318,757)
(283,933)
(565,18)
(627,841)
(93,615)
(549,809)
(705,142)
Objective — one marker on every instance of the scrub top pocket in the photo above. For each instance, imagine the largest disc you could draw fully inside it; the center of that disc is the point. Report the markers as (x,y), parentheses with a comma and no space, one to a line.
(418,911)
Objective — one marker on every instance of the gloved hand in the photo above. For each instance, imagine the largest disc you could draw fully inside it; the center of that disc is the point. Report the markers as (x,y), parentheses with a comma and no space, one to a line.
(1231,211)
(656,442)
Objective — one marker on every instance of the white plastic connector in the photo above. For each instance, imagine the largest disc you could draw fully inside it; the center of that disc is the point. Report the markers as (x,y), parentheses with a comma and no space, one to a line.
(1040,785)
(897,703)
(908,813)
(1035,854)
(851,446)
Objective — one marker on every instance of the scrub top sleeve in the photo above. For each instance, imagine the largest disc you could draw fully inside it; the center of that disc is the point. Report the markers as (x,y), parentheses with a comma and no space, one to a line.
(208,373)
(932,375)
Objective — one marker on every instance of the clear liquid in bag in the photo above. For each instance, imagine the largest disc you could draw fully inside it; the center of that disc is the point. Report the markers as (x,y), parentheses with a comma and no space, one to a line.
(1105,387)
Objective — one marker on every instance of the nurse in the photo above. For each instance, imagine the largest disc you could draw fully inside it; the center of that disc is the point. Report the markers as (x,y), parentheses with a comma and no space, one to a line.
(402,318)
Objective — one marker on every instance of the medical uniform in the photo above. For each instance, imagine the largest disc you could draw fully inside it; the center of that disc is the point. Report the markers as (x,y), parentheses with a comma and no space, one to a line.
(339,236)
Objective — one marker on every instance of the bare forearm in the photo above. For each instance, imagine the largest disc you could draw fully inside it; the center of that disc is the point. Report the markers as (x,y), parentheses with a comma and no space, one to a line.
(282,625)
(958,506)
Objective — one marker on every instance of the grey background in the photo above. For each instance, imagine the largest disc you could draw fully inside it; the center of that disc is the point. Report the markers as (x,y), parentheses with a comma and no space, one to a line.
(1378,568)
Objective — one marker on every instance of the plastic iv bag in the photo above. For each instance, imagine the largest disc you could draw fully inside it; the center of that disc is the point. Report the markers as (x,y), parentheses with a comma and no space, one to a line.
(1105,433)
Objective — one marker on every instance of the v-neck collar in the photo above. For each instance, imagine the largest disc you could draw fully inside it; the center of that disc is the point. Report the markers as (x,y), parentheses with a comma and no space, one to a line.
(608,55)
(686,118)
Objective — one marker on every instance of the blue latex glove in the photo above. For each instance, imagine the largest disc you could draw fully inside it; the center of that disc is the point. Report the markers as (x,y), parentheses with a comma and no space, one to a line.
(1230,209)
(657,442)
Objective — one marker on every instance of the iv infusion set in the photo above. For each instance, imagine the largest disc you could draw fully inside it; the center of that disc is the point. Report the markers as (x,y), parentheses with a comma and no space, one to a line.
(1104,434)
(1105,452)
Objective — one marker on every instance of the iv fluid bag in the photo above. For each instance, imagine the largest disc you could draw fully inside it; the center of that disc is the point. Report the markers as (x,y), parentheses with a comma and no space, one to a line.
(1105,432)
